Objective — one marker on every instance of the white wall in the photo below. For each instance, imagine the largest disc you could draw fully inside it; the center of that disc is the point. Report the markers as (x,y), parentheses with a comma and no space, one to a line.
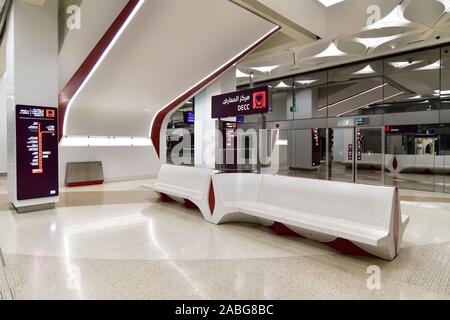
(3,115)
(3,132)
(118,162)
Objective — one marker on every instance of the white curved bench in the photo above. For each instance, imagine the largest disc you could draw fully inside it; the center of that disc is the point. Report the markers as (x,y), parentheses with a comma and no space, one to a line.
(185,185)
(367,216)
(352,218)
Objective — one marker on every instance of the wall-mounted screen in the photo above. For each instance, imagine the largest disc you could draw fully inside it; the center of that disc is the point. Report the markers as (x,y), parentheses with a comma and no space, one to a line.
(36,152)
(316,148)
(189,117)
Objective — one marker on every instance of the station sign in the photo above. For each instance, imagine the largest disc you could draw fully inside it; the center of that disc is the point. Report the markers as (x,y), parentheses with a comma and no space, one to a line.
(36,152)
(412,129)
(241,103)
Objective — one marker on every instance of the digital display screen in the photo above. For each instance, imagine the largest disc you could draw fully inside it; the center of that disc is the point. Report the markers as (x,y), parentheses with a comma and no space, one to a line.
(189,117)
(316,148)
(36,152)
(401,129)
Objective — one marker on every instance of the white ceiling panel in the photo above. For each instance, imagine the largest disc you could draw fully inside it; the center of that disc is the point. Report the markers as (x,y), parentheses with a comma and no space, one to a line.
(167,48)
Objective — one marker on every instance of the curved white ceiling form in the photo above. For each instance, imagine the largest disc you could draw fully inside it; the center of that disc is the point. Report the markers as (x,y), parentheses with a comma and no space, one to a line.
(360,29)
(166,49)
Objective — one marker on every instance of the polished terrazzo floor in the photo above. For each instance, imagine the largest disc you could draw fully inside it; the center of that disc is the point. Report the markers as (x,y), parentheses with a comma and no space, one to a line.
(117,241)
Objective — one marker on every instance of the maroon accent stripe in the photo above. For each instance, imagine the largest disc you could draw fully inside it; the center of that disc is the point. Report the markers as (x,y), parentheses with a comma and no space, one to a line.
(397,221)
(161,115)
(212,198)
(86,67)
(84,183)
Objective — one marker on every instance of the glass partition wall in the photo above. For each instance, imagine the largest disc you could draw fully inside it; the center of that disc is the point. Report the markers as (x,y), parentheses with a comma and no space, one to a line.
(385,121)
(180,136)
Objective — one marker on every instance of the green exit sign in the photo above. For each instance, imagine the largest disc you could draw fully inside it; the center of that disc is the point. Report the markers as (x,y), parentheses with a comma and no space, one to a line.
(295,109)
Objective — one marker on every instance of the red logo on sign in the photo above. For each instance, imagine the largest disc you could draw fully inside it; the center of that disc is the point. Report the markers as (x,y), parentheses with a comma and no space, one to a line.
(50,113)
(260,100)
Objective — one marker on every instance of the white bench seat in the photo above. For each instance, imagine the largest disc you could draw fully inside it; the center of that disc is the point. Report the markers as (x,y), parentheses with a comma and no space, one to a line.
(326,225)
(177,191)
(367,216)
(184,183)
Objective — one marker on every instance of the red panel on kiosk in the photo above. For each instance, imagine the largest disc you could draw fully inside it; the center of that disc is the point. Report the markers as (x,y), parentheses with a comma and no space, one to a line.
(36,152)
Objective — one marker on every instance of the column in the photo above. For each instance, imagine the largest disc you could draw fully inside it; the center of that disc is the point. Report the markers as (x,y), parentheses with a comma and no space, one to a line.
(207,141)
(32,80)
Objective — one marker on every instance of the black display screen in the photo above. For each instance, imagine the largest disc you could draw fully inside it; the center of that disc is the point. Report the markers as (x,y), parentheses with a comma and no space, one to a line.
(36,152)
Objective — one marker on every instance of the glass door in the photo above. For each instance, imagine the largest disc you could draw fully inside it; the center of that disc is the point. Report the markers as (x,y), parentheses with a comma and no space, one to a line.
(342,154)
(369,156)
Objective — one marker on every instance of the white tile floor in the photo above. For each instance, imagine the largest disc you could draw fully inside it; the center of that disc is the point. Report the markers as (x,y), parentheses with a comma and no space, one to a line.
(138,248)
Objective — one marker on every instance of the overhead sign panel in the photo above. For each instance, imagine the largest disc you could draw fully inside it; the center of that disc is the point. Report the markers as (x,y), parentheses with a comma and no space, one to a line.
(241,103)
(36,152)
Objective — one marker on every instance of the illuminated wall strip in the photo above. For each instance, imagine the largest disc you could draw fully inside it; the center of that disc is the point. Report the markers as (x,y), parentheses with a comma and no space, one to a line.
(352,97)
(367,105)
(94,60)
(156,124)
(82,141)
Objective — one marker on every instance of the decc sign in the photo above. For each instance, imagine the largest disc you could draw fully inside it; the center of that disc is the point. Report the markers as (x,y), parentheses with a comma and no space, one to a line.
(241,103)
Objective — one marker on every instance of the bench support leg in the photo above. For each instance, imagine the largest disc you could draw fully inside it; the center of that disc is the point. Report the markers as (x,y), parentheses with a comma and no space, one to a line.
(281,230)
(347,247)
(189,204)
(165,198)
(344,246)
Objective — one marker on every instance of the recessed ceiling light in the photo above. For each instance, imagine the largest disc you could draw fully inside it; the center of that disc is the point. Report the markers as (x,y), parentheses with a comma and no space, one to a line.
(376,42)
(282,85)
(367,70)
(331,51)
(266,69)
(240,74)
(434,66)
(329,3)
(403,64)
(84,141)
(443,92)
(306,82)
